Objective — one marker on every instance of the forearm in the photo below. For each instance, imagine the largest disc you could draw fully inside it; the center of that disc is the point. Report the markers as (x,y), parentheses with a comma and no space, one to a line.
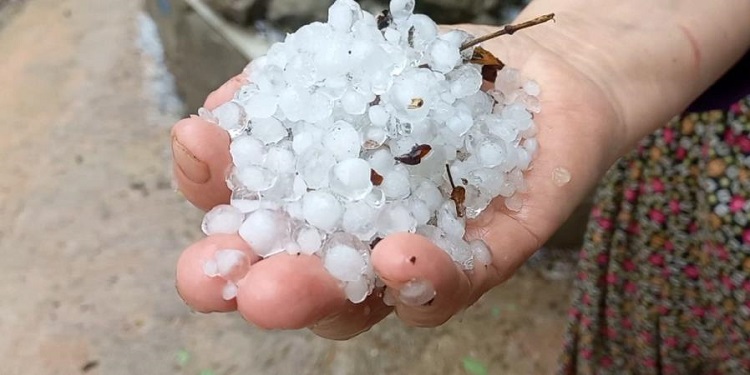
(652,58)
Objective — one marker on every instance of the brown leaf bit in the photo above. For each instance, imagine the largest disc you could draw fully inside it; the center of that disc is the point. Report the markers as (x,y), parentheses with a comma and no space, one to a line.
(416,103)
(458,194)
(375,178)
(411,36)
(490,64)
(415,156)
(375,242)
(489,73)
(384,19)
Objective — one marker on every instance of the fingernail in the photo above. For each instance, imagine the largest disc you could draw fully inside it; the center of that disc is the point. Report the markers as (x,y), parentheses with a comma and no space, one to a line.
(194,169)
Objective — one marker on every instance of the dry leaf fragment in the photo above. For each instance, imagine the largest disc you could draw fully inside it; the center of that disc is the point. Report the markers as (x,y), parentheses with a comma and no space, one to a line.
(415,156)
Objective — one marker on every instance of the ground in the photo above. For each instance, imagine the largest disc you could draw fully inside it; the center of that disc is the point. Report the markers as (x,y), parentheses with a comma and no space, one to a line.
(91,229)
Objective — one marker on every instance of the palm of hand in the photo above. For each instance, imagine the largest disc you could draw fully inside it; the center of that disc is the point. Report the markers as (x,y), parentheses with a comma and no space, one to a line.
(577,127)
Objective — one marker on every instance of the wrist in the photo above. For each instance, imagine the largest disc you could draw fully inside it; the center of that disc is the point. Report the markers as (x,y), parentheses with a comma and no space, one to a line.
(650,61)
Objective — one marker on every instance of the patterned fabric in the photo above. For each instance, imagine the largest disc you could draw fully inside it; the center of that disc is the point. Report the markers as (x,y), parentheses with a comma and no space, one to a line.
(664,274)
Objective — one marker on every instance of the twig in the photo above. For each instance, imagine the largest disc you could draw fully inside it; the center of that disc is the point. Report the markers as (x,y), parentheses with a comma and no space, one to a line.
(450,177)
(508,30)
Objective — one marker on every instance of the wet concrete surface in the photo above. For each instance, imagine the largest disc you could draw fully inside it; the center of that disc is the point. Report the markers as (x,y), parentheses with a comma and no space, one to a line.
(91,227)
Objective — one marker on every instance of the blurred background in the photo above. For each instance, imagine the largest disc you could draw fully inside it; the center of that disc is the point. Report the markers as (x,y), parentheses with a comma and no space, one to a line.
(91,226)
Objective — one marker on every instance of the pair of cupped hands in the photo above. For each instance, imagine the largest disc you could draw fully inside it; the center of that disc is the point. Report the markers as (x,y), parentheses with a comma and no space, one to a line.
(578,131)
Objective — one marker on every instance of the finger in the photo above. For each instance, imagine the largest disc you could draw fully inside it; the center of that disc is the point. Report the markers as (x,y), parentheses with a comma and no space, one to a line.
(289,292)
(200,292)
(509,239)
(354,318)
(224,93)
(201,152)
(201,162)
(294,292)
(407,261)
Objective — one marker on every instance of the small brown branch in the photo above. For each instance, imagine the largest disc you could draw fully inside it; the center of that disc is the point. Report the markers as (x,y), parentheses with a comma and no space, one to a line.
(450,177)
(508,30)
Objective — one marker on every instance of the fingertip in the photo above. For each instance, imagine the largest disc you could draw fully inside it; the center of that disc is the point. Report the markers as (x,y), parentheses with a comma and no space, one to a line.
(201,161)
(289,292)
(199,291)
(427,285)
(401,257)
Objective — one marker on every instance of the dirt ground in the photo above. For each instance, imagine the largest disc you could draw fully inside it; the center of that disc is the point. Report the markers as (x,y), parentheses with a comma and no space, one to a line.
(91,229)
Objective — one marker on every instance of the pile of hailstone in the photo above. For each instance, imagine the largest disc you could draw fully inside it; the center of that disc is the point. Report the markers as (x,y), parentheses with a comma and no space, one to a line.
(347,133)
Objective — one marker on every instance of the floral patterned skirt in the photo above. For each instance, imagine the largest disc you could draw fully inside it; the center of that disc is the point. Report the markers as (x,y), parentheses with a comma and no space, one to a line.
(664,274)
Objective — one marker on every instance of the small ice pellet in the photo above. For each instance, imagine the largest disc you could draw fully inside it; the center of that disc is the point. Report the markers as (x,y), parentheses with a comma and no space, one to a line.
(561,176)
(247,150)
(381,161)
(230,116)
(532,88)
(374,137)
(229,291)
(396,184)
(481,252)
(428,192)
(341,14)
(461,122)
(514,203)
(378,115)
(444,56)
(359,220)
(263,230)
(395,218)
(350,179)
(256,178)
(343,141)
(354,103)
(447,220)
(210,268)
(416,292)
(322,210)
(344,263)
(358,290)
(402,8)
(231,264)
(309,240)
(293,248)
(314,167)
(268,130)
(419,210)
(280,160)
(262,106)
(388,298)
(222,219)
(491,154)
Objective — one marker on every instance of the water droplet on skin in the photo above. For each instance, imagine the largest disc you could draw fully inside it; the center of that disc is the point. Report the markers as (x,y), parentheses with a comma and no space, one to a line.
(561,176)
(514,203)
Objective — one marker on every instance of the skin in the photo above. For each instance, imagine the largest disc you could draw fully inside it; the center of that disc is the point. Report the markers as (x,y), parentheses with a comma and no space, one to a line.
(605,84)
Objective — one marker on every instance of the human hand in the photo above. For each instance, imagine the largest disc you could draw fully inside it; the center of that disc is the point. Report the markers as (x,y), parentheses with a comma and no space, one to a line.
(579,131)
